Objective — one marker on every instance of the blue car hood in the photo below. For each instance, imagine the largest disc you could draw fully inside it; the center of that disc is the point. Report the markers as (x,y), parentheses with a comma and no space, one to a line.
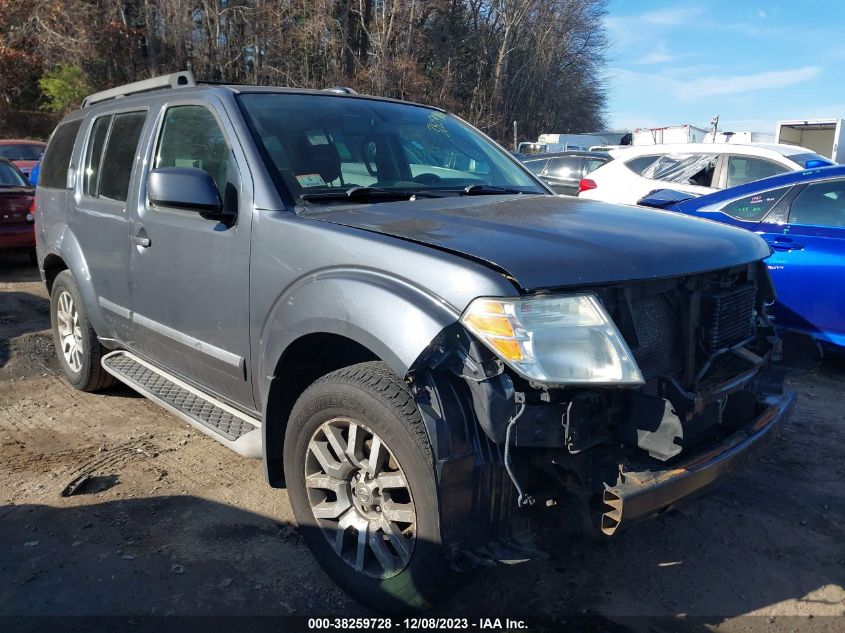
(552,241)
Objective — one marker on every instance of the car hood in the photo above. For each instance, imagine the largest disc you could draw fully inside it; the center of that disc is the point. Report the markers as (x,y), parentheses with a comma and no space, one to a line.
(552,241)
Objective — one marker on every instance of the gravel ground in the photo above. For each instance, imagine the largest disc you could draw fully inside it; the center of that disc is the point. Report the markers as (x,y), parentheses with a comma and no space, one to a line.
(172,523)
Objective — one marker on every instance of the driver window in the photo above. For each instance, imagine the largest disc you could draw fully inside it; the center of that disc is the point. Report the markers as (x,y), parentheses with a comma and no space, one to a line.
(820,204)
(191,137)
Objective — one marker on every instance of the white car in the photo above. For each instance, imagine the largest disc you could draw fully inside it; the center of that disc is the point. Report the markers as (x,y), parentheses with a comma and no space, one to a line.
(698,168)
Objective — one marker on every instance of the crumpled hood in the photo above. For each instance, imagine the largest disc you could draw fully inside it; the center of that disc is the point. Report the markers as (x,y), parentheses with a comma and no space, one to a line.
(553,241)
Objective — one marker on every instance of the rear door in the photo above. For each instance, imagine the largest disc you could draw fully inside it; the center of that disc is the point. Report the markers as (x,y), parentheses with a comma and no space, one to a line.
(99,218)
(190,294)
(808,260)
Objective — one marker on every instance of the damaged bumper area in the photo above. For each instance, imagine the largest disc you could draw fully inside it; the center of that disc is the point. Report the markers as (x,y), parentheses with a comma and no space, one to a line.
(650,491)
(510,449)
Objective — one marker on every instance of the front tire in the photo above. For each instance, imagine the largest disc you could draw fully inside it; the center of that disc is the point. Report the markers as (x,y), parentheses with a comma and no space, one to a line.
(360,476)
(77,347)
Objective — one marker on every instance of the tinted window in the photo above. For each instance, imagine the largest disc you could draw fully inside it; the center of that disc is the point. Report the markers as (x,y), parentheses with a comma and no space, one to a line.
(57,157)
(24,151)
(754,208)
(593,164)
(191,137)
(566,168)
(94,155)
(9,176)
(638,164)
(821,204)
(536,166)
(742,169)
(116,171)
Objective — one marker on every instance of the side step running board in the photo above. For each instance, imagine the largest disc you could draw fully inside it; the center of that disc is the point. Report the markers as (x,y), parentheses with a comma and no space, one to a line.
(232,428)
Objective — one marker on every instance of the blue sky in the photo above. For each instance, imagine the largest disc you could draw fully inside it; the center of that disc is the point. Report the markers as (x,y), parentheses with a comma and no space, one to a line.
(752,63)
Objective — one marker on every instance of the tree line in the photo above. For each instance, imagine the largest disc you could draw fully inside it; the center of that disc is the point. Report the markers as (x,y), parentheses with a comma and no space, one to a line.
(539,62)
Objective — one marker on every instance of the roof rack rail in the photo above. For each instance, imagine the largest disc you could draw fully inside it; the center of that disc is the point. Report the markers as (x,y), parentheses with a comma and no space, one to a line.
(173,80)
(340,90)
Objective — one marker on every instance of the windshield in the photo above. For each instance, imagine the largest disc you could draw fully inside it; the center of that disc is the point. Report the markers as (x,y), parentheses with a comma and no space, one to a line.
(320,144)
(11,177)
(24,151)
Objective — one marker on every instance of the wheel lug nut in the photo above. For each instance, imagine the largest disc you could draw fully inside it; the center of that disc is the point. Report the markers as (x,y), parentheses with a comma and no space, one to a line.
(378,508)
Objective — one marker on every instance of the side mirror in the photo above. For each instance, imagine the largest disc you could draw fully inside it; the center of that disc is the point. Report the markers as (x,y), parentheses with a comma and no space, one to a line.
(186,188)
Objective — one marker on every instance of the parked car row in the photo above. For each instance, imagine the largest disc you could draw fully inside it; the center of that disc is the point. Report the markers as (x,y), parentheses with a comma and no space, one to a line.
(802,217)
(791,196)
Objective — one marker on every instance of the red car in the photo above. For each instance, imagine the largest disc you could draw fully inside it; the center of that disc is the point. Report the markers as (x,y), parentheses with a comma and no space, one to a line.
(24,154)
(17,204)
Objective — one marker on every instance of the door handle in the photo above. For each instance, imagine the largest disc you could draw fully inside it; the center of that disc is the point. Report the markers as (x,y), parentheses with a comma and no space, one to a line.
(141,239)
(785,244)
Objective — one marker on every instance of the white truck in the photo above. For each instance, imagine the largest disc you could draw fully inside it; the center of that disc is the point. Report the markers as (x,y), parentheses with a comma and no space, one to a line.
(823,136)
(669,134)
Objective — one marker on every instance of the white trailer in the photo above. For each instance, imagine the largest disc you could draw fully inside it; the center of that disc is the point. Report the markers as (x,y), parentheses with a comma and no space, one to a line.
(669,134)
(564,142)
(739,137)
(823,136)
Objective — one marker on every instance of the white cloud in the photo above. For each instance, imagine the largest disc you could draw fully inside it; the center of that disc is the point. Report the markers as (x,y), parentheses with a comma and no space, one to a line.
(738,84)
(660,54)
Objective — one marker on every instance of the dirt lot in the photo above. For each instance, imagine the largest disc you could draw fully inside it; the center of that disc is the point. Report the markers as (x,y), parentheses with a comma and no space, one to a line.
(173,523)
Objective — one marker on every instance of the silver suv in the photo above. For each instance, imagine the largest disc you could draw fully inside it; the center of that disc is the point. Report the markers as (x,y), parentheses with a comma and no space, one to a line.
(423,344)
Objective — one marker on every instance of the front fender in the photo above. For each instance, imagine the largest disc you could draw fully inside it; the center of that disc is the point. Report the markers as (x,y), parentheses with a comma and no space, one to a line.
(392,317)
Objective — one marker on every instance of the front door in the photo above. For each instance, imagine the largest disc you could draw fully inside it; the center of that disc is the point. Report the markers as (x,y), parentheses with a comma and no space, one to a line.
(808,261)
(190,292)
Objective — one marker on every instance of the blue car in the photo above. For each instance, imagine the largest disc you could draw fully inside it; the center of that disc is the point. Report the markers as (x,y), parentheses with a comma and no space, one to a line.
(802,217)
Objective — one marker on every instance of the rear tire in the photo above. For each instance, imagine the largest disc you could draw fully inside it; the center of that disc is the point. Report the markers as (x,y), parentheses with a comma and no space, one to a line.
(77,347)
(399,564)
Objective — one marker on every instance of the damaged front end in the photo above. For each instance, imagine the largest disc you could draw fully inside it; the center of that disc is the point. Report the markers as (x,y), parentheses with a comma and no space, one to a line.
(706,396)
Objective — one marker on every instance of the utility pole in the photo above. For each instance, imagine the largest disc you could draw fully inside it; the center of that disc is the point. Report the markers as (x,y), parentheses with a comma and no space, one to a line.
(515,139)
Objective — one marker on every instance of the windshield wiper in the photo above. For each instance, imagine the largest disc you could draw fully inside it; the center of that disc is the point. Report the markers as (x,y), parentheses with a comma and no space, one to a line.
(368,193)
(487,190)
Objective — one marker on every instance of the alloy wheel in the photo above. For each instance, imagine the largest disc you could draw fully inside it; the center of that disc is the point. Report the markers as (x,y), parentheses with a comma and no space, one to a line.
(360,498)
(70,333)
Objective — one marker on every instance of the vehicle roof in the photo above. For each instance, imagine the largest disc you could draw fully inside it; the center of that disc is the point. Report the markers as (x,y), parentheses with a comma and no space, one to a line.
(751,149)
(544,155)
(208,88)
(12,141)
(765,184)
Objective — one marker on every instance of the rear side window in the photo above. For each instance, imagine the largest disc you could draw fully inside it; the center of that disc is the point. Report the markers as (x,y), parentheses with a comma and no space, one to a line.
(116,170)
(754,208)
(593,164)
(94,155)
(743,169)
(566,167)
(57,157)
(820,204)
(638,164)
(11,176)
(535,166)
(689,169)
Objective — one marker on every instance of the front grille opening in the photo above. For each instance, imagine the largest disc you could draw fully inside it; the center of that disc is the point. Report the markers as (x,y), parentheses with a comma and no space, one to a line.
(658,326)
(728,317)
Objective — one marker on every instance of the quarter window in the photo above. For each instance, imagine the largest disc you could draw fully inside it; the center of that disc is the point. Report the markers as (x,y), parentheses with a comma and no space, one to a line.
(743,169)
(57,157)
(754,208)
(119,155)
(191,137)
(820,204)
(536,166)
(638,164)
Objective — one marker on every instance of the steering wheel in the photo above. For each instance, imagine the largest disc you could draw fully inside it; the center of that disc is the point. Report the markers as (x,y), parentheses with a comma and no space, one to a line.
(370,148)
(428,179)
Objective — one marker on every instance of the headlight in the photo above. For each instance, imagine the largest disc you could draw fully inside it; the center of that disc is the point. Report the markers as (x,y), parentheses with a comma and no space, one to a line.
(564,339)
